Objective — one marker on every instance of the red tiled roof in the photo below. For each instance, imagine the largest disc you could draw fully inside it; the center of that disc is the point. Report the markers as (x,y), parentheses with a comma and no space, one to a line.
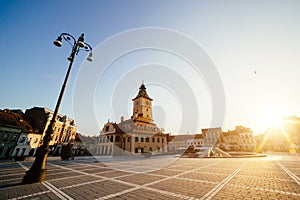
(8,117)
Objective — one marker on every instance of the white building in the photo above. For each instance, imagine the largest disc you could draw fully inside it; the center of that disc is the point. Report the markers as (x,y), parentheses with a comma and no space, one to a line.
(135,135)
(211,136)
(27,144)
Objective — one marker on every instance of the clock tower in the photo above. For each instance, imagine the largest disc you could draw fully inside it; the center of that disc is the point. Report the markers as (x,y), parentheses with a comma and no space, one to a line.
(142,107)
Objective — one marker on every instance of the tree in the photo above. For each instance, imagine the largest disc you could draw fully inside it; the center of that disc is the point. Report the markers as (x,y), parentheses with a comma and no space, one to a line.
(66,152)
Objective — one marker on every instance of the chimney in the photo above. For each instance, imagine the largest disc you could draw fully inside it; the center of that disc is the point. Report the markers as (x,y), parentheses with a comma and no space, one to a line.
(122,119)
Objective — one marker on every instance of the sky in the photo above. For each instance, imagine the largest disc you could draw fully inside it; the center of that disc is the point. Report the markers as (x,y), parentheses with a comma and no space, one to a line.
(253,46)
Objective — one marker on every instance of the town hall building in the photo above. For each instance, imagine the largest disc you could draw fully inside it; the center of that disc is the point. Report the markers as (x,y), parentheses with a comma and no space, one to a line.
(135,135)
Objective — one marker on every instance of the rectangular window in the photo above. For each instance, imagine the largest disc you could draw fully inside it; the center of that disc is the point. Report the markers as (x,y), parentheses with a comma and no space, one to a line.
(22,139)
(1,150)
(142,139)
(15,138)
(28,142)
(158,140)
(5,138)
(23,151)
(17,151)
(153,139)
(128,139)
(136,139)
(147,139)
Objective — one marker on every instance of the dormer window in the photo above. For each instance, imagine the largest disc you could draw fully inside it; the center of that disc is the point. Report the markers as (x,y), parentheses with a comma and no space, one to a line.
(22,139)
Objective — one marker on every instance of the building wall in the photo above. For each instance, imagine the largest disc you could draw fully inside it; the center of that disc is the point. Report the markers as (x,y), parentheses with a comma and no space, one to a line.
(114,143)
(142,107)
(180,143)
(9,136)
(63,132)
(135,135)
(27,144)
(240,139)
(211,136)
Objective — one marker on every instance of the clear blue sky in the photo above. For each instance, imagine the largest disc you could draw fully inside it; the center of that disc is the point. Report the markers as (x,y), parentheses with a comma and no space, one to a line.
(255,46)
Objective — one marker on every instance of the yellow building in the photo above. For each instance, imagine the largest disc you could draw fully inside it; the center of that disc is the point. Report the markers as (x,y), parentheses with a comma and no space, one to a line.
(180,143)
(211,136)
(64,130)
(240,139)
(17,137)
(136,135)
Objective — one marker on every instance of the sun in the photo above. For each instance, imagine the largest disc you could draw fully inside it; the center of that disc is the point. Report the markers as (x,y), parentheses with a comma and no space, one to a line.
(271,119)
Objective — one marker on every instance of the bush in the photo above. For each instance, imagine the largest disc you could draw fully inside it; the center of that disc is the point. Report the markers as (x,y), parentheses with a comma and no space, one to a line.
(147,154)
(19,158)
(66,152)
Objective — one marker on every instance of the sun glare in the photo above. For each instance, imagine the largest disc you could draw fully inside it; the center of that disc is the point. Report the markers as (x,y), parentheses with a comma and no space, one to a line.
(271,119)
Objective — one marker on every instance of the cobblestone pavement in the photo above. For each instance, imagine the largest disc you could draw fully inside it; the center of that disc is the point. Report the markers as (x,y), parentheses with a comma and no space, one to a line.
(160,177)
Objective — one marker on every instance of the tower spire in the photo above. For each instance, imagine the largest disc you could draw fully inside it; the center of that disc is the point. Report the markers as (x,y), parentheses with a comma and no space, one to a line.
(142,106)
(142,92)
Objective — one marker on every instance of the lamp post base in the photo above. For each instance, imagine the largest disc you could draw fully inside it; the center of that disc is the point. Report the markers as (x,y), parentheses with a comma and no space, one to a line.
(37,173)
(34,176)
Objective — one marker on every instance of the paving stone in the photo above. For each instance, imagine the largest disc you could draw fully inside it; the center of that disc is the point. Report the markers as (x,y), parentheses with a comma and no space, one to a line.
(184,178)
(185,187)
(95,190)
(142,194)
(140,179)
(73,181)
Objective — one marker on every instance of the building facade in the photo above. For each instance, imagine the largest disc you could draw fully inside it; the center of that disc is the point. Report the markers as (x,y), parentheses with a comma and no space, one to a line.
(248,142)
(64,131)
(180,143)
(239,139)
(135,135)
(14,134)
(231,141)
(282,138)
(9,135)
(211,136)
(27,144)
(85,145)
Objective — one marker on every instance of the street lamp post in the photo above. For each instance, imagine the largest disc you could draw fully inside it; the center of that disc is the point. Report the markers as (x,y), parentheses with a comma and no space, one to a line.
(38,171)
